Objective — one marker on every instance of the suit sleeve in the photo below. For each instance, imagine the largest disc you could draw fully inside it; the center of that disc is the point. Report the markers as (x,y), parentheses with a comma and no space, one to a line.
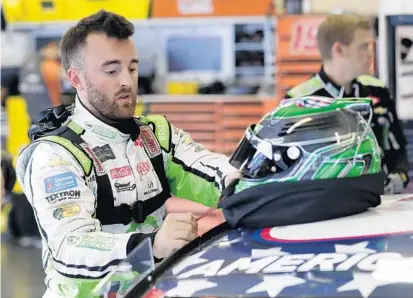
(64,207)
(395,143)
(194,172)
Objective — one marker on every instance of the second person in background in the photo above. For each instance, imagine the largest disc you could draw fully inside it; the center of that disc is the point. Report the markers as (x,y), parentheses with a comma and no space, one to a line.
(344,42)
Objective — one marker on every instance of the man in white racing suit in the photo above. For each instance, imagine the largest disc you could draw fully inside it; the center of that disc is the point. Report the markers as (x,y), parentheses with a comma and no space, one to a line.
(98,183)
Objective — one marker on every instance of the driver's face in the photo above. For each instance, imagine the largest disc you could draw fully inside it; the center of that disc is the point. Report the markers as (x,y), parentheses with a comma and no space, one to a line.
(110,75)
(357,55)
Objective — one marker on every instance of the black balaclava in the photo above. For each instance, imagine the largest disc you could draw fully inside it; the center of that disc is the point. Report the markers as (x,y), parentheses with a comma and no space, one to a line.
(287,203)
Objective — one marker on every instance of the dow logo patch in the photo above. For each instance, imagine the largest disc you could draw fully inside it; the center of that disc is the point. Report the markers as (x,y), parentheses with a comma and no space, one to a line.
(104,153)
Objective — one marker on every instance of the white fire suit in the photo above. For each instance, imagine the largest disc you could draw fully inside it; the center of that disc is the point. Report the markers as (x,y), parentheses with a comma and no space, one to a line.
(78,249)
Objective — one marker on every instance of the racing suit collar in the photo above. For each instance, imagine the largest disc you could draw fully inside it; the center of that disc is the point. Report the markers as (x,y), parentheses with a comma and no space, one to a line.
(92,124)
(331,87)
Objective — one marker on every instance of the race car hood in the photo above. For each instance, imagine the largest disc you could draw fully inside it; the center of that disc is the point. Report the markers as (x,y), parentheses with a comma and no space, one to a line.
(365,255)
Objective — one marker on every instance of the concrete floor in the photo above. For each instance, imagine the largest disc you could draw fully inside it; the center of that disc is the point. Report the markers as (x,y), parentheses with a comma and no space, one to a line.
(21,272)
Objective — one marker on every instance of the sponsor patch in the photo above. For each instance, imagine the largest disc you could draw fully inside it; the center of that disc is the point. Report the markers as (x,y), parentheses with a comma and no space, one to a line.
(101,243)
(60,182)
(66,211)
(101,131)
(72,240)
(143,168)
(188,139)
(150,188)
(62,196)
(90,179)
(138,142)
(104,153)
(58,161)
(98,165)
(121,187)
(118,173)
(150,141)
(199,148)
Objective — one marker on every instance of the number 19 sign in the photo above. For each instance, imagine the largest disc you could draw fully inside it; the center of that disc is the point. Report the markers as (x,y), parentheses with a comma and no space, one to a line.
(304,36)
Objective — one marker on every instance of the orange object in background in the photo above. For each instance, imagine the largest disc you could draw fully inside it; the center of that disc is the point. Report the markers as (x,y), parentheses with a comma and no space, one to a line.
(297,55)
(219,122)
(297,52)
(209,8)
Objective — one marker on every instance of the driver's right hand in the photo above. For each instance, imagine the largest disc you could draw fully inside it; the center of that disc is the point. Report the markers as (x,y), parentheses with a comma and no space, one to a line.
(177,230)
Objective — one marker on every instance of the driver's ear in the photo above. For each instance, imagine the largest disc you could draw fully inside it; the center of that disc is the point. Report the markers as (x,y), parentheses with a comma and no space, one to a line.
(75,78)
(337,50)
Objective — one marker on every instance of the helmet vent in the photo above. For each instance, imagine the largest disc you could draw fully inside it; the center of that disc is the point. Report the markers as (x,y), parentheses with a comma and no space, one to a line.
(315,124)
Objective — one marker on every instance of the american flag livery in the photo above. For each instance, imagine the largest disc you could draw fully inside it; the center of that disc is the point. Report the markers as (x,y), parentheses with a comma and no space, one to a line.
(337,258)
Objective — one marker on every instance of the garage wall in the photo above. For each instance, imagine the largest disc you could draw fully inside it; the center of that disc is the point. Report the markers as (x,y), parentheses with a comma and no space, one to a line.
(367,7)
(389,7)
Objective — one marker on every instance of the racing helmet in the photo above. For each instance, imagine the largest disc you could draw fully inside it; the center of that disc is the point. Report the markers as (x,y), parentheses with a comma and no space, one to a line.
(309,138)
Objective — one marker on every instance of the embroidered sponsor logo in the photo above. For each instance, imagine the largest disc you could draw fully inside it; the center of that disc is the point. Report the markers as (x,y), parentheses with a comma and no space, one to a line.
(90,183)
(101,243)
(62,196)
(104,153)
(73,240)
(98,165)
(91,179)
(58,161)
(199,148)
(101,131)
(121,187)
(150,141)
(161,132)
(118,173)
(60,182)
(150,188)
(143,168)
(138,142)
(66,211)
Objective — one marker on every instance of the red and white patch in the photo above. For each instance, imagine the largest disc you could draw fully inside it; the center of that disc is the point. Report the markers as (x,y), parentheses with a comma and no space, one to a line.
(100,170)
(150,141)
(143,168)
(138,142)
(118,173)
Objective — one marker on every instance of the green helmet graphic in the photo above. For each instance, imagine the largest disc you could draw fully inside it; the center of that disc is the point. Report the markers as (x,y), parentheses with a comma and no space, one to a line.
(309,138)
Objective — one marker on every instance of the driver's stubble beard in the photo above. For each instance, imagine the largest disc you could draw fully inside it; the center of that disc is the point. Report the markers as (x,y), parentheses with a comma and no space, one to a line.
(106,108)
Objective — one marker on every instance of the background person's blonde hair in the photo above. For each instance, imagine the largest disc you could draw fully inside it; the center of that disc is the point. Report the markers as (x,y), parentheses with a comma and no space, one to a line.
(339,28)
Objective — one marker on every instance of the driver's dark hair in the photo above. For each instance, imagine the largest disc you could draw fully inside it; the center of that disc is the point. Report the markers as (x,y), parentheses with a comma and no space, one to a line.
(111,24)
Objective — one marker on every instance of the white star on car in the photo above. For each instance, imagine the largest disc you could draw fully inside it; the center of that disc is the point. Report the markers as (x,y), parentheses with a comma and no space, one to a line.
(191,260)
(262,253)
(187,288)
(354,248)
(275,284)
(365,283)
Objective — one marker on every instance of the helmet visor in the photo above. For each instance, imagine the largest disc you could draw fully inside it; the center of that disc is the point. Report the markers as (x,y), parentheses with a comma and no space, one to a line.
(257,158)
